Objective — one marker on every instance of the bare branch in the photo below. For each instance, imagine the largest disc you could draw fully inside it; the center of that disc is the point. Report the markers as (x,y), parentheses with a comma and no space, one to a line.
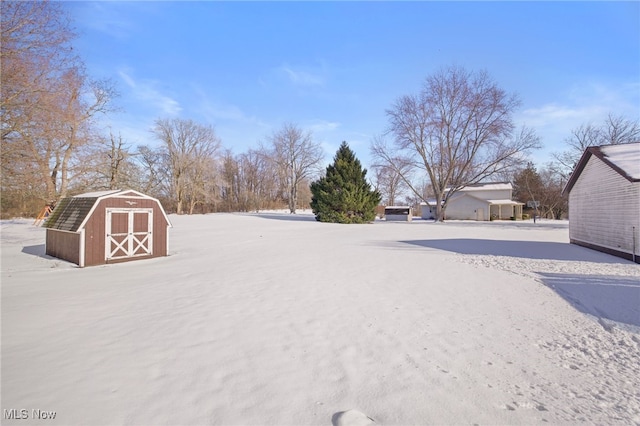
(296,155)
(457,131)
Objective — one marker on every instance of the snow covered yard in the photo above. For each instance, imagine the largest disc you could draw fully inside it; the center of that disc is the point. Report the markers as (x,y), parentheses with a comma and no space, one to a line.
(265,319)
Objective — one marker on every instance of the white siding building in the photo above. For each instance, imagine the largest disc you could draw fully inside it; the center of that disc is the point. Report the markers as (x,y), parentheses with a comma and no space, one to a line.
(484,201)
(604,200)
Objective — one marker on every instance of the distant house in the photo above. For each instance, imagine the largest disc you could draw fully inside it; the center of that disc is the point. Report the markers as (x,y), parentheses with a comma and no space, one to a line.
(107,227)
(604,200)
(484,201)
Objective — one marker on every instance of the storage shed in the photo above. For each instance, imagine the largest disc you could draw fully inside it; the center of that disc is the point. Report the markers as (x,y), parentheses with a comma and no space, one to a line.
(107,227)
(604,200)
(398,213)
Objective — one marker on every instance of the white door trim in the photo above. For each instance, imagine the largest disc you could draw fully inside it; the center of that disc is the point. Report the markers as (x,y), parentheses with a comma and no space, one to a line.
(134,244)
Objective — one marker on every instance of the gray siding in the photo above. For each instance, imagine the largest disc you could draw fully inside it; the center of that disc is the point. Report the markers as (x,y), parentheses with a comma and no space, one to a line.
(603,208)
(464,207)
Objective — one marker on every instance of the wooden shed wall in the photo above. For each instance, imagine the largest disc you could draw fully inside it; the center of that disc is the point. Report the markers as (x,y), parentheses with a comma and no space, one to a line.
(95,228)
(603,209)
(63,245)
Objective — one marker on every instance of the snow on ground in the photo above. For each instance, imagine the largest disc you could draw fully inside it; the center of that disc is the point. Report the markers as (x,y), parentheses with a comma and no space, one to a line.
(269,318)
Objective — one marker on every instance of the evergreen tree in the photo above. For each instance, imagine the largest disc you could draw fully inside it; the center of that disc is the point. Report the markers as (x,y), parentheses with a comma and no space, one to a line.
(344,195)
(527,185)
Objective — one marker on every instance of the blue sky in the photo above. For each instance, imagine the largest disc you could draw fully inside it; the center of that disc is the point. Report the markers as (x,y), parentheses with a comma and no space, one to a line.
(334,67)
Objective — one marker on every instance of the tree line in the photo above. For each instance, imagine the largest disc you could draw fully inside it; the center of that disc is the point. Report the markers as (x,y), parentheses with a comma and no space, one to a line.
(52,146)
(457,130)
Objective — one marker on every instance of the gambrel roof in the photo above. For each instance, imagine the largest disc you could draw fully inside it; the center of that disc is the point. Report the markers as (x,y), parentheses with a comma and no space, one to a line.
(624,159)
(71,213)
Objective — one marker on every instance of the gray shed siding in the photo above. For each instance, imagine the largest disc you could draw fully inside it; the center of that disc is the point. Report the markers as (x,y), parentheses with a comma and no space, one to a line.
(604,207)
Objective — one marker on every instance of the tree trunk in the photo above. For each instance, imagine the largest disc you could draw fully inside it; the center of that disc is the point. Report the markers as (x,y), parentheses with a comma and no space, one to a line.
(439,211)
(293,200)
(293,194)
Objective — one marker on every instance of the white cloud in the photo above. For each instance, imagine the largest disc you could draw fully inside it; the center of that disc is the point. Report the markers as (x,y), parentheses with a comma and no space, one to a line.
(560,117)
(300,77)
(581,104)
(318,126)
(215,111)
(105,17)
(146,91)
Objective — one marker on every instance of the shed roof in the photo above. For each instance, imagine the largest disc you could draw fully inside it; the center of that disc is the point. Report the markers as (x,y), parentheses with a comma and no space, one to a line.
(624,159)
(71,213)
(97,194)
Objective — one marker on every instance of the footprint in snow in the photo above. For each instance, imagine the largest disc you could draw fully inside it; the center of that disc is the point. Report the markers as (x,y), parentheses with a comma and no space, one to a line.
(351,418)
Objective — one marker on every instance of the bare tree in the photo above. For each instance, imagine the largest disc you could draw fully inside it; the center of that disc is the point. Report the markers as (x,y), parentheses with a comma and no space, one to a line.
(230,182)
(189,149)
(389,182)
(35,47)
(544,187)
(34,50)
(53,133)
(296,157)
(256,180)
(555,205)
(458,131)
(155,178)
(48,103)
(117,154)
(68,126)
(614,130)
(107,164)
(618,129)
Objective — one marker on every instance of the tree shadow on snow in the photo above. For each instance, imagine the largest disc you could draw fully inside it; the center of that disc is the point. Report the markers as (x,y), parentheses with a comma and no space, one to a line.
(522,249)
(287,216)
(611,297)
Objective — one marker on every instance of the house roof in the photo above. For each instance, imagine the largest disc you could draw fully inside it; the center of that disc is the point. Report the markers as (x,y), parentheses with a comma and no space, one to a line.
(501,202)
(504,202)
(624,159)
(72,213)
(489,186)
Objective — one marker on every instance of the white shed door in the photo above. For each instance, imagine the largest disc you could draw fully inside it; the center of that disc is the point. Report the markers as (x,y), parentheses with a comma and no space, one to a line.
(128,233)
